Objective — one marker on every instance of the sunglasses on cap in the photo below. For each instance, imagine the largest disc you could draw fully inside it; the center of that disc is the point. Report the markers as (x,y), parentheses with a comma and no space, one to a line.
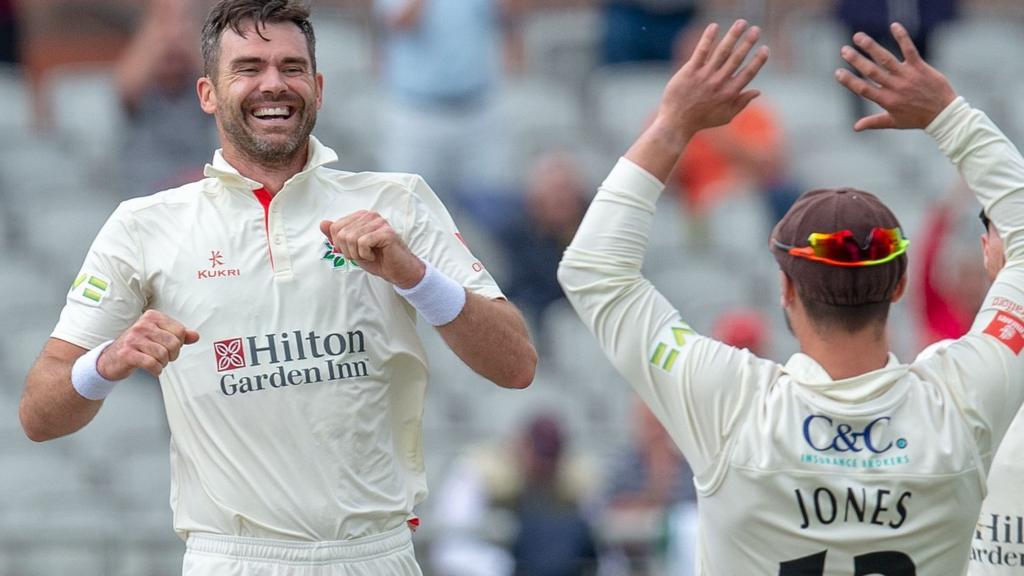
(841,248)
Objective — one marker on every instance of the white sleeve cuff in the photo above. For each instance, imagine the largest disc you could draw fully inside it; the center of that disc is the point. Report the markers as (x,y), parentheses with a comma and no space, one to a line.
(86,378)
(943,128)
(437,298)
(629,178)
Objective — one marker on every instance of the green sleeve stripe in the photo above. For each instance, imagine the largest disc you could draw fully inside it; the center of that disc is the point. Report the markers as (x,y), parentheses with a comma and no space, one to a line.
(659,352)
(671,360)
(98,283)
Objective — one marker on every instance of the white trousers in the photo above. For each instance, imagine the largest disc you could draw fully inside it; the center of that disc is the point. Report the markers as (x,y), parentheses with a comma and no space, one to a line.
(389,553)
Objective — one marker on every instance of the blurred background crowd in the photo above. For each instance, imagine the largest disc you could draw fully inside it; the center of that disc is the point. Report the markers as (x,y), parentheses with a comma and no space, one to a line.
(513,110)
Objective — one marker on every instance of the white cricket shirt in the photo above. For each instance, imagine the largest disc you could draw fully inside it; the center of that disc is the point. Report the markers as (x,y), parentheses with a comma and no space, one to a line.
(796,473)
(297,414)
(998,546)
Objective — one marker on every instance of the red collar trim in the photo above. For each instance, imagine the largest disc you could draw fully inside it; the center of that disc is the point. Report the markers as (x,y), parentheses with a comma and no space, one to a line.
(265,198)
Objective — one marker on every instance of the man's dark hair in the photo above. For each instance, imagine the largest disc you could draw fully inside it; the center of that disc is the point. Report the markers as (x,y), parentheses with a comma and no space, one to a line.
(849,319)
(234,14)
(984,219)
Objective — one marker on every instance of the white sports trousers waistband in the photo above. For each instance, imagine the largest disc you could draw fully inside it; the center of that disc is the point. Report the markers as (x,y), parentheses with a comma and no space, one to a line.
(286,551)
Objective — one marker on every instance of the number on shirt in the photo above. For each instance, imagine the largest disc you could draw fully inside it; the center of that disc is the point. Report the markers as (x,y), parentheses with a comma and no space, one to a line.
(884,563)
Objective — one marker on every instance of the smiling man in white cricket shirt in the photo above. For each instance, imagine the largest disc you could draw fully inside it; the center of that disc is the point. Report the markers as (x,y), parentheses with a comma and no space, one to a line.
(843,461)
(276,300)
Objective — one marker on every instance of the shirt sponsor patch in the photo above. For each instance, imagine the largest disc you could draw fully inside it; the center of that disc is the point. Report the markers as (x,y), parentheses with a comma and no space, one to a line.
(666,348)
(336,259)
(1008,305)
(89,288)
(217,268)
(229,354)
(1008,329)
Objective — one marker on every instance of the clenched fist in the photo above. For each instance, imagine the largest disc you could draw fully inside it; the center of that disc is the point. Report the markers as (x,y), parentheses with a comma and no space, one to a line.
(153,342)
(367,238)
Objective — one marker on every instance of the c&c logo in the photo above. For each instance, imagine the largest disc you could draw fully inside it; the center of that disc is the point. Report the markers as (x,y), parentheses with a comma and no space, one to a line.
(822,434)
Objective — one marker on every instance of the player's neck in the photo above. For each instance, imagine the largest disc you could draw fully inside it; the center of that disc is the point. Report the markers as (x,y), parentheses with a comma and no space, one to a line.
(845,354)
(271,177)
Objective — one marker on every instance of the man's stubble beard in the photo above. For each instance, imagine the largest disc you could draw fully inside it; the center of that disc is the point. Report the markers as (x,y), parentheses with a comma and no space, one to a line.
(262,150)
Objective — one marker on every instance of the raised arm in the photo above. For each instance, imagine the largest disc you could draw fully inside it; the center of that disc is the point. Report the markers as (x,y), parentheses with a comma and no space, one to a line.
(56,403)
(692,384)
(912,94)
(708,91)
(488,334)
(50,406)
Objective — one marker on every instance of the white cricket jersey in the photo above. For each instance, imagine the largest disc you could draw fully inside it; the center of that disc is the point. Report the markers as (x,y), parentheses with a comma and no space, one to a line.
(297,415)
(998,547)
(798,474)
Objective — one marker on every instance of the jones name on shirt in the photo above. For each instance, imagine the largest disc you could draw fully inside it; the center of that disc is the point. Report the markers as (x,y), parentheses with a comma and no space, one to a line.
(825,506)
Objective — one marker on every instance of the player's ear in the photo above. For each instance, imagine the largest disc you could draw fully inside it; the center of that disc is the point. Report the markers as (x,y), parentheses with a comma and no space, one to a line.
(319,90)
(901,287)
(788,290)
(207,94)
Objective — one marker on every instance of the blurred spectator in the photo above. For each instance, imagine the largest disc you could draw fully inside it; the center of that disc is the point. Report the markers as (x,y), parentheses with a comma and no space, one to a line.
(168,139)
(553,538)
(952,281)
(873,17)
(920,17)
(644,30)
(743,328)
(534,238)
(650,490)
(748,154)
(9,32)
(532,490)
(441,64)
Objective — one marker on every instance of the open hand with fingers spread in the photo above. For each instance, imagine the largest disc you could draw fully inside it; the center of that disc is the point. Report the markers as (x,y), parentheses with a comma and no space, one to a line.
(911,92)
(367,238)
(708,91)
(153,342)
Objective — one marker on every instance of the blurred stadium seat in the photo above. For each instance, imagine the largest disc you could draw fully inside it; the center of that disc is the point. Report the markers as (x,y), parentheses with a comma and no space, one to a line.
(16,120)
(561,44)
(623,99)
(86,111)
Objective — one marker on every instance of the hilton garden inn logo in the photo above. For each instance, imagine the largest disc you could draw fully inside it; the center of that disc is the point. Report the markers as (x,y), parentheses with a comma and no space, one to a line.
(258,363)
(90,288)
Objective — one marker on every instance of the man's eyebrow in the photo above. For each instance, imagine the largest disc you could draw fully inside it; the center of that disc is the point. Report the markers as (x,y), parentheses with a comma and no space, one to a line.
(295,60)
(241,61)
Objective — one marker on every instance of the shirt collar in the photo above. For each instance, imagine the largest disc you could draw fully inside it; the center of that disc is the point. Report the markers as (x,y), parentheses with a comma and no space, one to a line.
(319,155)
(805,370)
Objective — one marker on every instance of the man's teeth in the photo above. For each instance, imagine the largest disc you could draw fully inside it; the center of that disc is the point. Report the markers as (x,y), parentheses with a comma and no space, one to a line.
(262,112)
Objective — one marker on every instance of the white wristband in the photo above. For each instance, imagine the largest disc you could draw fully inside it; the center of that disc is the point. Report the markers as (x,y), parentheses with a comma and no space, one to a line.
(86,379)
(437,298)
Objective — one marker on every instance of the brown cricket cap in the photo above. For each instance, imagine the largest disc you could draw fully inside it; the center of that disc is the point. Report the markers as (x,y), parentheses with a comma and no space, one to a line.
(831,210)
